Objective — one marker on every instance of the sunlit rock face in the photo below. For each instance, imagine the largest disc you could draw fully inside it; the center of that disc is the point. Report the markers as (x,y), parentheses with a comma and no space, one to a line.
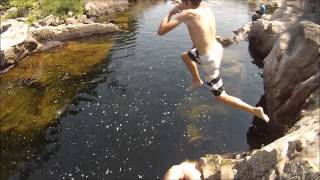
(287,45)
(294,156)
(96,8)
(265,32)
(37,91)
(16,42)
(72,31)
(291,72)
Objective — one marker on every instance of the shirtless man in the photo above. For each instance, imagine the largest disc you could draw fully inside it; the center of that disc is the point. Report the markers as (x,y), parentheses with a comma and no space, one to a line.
(206,51)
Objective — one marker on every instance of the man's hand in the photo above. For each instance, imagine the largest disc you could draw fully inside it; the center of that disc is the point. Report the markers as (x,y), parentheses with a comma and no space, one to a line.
(175,10)
(176,2)
(167,24)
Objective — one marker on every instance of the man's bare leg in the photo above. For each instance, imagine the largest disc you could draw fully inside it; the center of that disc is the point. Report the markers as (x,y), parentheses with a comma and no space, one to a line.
(192,66)
(239,104)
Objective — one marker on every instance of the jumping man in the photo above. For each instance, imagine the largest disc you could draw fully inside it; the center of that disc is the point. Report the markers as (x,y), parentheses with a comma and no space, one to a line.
(206,51)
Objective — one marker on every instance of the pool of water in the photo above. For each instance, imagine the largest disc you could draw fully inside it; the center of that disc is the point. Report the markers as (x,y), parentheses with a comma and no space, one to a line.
(116,106)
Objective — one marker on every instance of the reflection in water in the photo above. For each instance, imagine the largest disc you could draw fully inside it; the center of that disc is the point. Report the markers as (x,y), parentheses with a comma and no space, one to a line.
(24,155)
(126,112)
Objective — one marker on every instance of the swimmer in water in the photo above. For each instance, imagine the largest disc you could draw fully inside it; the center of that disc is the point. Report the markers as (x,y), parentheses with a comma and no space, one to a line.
(207,52)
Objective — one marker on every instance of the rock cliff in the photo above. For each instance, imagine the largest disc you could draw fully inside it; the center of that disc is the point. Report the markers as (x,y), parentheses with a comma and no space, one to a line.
(287,44)
(294,156)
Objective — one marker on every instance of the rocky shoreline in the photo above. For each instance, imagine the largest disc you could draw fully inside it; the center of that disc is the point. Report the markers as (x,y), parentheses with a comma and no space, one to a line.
(286,45)
(18,39)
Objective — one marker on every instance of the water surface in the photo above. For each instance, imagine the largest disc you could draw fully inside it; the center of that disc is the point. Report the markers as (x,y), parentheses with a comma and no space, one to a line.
(116,106)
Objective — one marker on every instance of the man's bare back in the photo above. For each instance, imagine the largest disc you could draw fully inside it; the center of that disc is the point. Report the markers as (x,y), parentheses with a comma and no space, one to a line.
(202,28)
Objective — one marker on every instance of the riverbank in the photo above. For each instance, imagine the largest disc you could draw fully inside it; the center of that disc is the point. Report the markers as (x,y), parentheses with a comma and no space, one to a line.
(286,45)
(20,38)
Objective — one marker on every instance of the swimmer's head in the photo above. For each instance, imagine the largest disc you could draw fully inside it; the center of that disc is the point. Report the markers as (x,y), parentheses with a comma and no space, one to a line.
(190,3)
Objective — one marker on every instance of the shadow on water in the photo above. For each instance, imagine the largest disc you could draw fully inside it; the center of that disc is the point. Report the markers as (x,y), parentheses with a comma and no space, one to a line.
(259,134)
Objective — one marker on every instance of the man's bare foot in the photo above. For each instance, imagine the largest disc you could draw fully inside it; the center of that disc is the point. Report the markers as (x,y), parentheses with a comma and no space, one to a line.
(195,85)
(260,114)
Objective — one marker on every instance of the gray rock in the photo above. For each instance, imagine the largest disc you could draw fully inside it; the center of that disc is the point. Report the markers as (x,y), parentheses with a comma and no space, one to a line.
(224,41)
(291,73)
(70,13)
(16,43)
(71,20)
(82,18)
(50,44)
(241,34)
(12,10)
(62,32)
(56,21)
(47,20)
(294,156)
(98,8)
(263,35)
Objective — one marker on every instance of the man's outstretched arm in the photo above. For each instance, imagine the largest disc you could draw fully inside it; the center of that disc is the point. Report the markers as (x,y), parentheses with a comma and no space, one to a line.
(168,24)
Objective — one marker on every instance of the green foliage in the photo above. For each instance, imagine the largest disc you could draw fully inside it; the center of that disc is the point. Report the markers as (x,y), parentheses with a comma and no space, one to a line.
(4,3)
(11,15)
(61,7)
(23,6)
(31,19)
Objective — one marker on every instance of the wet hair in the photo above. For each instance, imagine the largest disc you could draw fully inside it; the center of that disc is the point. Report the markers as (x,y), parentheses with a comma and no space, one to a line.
(194,2)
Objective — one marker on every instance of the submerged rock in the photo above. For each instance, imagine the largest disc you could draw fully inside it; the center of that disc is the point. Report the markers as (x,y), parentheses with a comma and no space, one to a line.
(224,41)
(37,90)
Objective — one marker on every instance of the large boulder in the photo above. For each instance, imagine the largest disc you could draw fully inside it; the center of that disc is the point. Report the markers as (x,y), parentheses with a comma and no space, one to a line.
(265,32)
(262,37)
(291,73)
(72,31)
(294,156)
(288,47)
(16,42)
(103,7)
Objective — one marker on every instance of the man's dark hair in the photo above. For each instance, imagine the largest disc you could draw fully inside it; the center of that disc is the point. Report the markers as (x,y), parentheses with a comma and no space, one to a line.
(194,2)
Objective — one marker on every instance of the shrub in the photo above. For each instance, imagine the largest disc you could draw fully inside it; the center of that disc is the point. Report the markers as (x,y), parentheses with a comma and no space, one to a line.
(61,7)
(4,3)
(23,6)
(31,19)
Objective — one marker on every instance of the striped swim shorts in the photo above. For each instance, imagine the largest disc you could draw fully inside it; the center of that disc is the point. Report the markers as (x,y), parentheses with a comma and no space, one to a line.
(210,64)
